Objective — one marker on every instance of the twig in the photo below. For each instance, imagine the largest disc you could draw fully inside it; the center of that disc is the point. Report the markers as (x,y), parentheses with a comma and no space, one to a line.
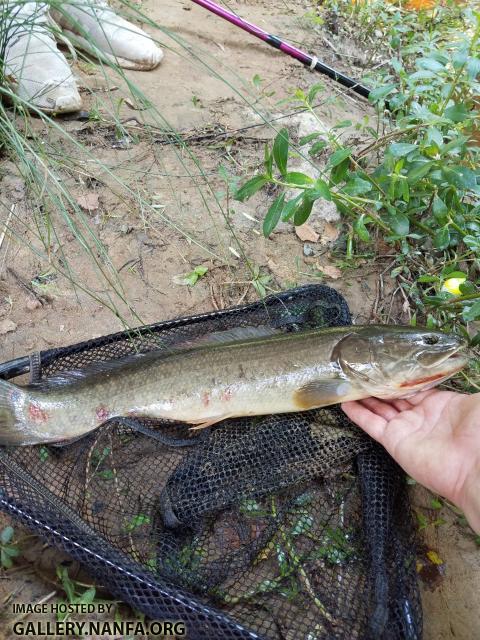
(391,304)
(213,298)
(407,303)
(2,236)
(30,290)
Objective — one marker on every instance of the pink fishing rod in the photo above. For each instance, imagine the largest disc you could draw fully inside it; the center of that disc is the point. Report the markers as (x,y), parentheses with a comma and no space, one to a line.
(309,61)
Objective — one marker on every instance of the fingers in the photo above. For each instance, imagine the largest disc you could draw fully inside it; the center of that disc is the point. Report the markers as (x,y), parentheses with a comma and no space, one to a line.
(366,419)
(380,408)
(401,405)
(418,398)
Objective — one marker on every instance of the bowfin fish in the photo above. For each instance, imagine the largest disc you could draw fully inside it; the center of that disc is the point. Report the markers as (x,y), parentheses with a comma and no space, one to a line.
(241,372)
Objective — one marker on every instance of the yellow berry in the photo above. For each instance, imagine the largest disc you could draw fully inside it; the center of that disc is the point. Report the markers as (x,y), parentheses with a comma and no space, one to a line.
(452,285)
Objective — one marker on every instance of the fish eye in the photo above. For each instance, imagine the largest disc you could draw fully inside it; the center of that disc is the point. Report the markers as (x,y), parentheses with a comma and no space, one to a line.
(431,339)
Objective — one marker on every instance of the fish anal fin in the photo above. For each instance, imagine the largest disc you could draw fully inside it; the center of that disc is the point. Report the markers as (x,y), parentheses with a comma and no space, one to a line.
(203,424)
(321,393)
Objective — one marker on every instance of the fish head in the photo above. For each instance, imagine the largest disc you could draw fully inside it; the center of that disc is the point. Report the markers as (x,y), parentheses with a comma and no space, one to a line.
(395,361)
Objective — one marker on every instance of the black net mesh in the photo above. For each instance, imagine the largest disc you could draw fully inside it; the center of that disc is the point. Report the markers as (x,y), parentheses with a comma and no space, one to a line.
(286,527)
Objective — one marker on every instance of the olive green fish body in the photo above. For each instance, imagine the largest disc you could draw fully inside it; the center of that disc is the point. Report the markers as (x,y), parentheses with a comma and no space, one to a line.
(228,375)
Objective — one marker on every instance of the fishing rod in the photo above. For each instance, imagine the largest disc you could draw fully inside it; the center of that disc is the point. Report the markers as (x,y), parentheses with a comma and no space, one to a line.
(312,62)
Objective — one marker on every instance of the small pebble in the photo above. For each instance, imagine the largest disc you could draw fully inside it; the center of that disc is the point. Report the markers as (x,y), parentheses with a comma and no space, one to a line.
(33,304)
(307,250)
(6,326)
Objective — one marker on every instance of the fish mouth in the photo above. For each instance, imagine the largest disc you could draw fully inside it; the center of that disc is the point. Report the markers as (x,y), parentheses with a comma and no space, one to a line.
(452,364)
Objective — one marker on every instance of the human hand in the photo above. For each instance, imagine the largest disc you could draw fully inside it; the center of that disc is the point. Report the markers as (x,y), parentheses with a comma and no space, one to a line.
(435,437)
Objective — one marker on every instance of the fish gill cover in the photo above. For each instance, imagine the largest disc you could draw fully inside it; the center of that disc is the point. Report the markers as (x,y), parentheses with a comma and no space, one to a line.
(287,527)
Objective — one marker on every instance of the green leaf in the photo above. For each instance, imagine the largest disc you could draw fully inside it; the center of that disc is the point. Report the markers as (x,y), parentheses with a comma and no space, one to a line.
(475,341)
(305,139)
(380,93)
(87,596)
(268,162)
(6,535)
(400,149)
(320,190)
(457,112)
(404,190)
(338,157)
(251,187)
(282,561)
(107,474)
(342,125)
(67,584)
(427,278)
(418,171)
(137,521)
(5,561)
(360,228)
(317,147)
(340,172)
(12,552)
(273,215)
(430,64)
(434,135)
(304,523)
(423,74)
(459,59)
(452,272)
(189,279)
(257,81)
(290,206)
(398,223)
(441,239)
(467,288)
(314,91)
(303,211)
(439,208)
(297,178)
(460,177)
(43,454)
(436,504)
(473,67)
(472,243)
(280,150)
(471,313)
(357,186)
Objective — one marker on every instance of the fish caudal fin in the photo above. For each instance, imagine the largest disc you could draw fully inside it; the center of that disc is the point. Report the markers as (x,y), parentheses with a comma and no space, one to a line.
(11,431)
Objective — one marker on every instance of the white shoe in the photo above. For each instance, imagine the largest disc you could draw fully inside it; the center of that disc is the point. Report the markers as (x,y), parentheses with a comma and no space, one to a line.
(37,71)
(92,26)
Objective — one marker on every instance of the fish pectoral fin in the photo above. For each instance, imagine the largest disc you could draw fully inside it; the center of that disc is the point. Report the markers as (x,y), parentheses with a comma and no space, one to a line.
(321,393)
(203,424)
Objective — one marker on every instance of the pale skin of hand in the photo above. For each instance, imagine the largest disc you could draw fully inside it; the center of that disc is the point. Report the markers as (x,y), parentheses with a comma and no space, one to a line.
(435,437)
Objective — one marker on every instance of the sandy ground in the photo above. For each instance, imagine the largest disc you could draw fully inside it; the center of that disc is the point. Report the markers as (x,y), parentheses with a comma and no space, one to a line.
(197,224)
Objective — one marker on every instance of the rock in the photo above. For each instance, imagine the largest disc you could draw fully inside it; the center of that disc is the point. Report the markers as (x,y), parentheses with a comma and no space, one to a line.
(7,326)
(306,233)
(33,304)
(307,250)
(89,202)
(331,271)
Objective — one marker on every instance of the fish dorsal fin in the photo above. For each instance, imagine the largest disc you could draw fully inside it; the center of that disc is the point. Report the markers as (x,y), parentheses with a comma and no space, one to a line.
(102,368)
(107,368)
(235,335)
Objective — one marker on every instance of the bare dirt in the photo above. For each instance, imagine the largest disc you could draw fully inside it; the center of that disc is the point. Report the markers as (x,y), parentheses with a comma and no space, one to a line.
(195,223)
